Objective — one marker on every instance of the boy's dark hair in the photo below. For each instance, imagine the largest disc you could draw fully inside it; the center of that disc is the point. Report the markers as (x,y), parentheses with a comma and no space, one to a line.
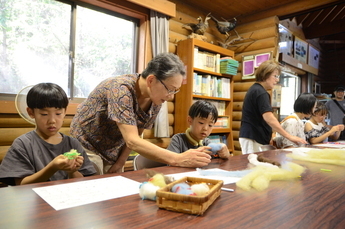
(305,103)
(202,109)
(44,95)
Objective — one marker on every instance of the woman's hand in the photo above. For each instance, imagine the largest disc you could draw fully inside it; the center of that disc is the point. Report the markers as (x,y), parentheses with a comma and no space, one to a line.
(193,158)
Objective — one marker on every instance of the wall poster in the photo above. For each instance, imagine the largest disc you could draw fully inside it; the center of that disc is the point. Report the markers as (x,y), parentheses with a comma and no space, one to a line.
(250,63)
(313,57)
(301,50)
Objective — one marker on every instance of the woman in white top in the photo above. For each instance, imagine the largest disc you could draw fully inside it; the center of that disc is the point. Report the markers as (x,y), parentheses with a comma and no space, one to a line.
(293,124)
(317,131)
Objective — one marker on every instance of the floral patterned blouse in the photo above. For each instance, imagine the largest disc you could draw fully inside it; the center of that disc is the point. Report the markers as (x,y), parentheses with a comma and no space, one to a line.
(112,101)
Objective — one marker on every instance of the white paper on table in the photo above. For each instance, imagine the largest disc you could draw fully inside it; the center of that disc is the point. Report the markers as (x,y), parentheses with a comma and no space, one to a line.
(331,145)
(226,180)
(302,149)
(74,194)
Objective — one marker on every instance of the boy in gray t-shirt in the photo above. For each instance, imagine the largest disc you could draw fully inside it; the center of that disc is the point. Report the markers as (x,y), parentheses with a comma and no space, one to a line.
(38,156)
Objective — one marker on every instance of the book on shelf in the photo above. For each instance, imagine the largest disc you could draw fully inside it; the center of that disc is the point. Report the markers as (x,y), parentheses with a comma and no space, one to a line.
(222,122)
(216,138)
(197,84)
(219,88)
(226,88)
(220,105)
(205,60)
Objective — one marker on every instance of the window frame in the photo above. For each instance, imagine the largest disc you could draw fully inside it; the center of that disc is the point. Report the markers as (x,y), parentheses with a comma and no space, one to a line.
(143,53)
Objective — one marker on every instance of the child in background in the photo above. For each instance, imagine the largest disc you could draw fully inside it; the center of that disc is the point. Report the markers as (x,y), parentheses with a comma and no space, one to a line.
(317,131)
(37,156)
(201,118)
(304,107)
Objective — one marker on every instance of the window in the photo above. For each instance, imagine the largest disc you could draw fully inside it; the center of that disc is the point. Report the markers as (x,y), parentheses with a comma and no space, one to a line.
(73,45)
(291,88)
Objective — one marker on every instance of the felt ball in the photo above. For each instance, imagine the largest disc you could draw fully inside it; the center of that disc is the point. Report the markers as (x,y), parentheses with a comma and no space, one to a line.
(158,180)
(182,188)
(187,192)
(215,147)
(200,189)
(147,191)
(178,186)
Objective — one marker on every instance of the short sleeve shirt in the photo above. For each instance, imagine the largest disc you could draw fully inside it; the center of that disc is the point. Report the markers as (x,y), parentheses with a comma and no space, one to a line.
(336,114)
(255,104)
(179,143)
(29,154)
(113,101)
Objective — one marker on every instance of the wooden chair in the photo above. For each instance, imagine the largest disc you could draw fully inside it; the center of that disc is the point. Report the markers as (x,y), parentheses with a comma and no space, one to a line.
(267,147)
(141,162)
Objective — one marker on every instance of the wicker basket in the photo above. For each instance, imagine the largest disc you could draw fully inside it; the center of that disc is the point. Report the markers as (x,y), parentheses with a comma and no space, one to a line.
(196,205)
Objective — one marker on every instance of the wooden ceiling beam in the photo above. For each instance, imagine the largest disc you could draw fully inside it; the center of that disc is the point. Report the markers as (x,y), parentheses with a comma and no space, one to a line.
(325,29)
(292,8)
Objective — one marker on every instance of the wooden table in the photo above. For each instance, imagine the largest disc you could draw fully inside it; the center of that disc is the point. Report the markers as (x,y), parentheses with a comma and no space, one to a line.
(315,201)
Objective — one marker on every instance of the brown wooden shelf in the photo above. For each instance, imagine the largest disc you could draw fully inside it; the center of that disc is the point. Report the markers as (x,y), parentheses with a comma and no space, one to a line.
(210,97)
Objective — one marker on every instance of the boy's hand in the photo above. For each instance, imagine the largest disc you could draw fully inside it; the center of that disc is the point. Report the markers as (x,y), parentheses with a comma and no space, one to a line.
(69,165)
(79,162)
(224,152)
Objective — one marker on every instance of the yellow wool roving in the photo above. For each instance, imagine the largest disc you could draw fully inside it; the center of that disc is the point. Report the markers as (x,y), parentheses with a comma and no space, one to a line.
(261,176)
(324,156)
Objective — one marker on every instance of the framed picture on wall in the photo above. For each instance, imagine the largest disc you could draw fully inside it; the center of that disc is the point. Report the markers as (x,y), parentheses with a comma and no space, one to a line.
(301,50)
(285,41)
(248,67)
(261,58)
(251,62)
(313,57)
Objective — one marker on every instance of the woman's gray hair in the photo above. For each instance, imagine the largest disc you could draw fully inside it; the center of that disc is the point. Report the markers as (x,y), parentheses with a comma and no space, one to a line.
(164,65)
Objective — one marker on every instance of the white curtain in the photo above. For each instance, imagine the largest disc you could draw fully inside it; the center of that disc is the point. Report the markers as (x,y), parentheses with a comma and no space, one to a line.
(159,24)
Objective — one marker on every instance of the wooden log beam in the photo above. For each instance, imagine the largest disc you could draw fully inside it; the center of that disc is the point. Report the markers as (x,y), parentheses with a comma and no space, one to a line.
(236,115)
(237,106)
(162,6)
(291,7)
(239,96)
(249,26)
(253,45)
(236,125)
(243,86)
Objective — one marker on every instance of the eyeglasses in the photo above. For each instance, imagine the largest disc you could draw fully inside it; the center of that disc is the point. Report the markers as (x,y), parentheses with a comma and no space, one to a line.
(170,92)
(277,76)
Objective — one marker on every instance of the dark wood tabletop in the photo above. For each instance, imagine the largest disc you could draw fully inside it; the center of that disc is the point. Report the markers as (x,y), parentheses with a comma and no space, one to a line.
(317,200)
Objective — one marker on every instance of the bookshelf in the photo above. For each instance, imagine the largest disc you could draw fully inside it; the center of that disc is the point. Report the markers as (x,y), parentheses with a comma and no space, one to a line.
(188,50)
